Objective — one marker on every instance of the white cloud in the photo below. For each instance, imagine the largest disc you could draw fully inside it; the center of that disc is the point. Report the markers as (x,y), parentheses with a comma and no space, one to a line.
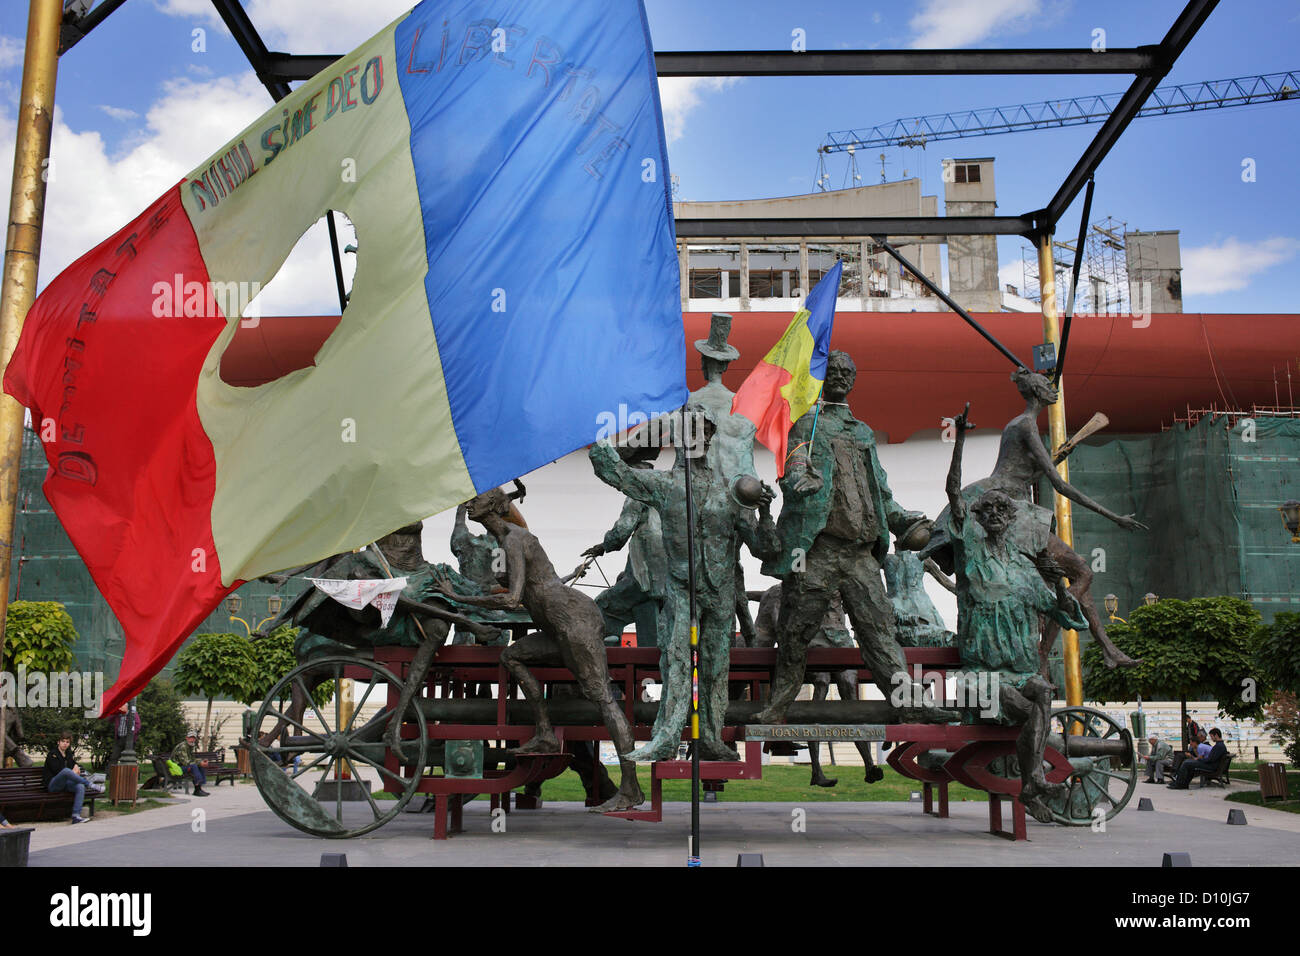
(119,113)
(680,96)
(93,193)
(318,26)
(945,24)
(11,52)
(1230,265)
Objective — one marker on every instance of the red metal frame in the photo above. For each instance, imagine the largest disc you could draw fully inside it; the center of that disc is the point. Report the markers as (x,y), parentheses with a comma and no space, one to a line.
(456,667)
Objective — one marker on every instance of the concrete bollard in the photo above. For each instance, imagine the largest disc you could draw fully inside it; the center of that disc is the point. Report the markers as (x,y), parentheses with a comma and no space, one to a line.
(334,859)
(1144,803)
(1237,818)
(749,859)
(1177,859)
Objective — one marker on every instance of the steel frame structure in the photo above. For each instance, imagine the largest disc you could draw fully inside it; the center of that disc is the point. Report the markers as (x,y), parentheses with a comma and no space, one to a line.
(1148,64)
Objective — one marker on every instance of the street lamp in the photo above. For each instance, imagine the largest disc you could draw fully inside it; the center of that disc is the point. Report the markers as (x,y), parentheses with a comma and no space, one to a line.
(273,605)
(1291,518)
(1148,599)
(1112,605)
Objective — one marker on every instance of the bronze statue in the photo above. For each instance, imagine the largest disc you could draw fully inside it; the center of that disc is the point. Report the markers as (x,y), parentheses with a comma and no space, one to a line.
(724,519)
(836,516)
(1022,460)
(918,621)
(832,633)
(570,628)
(638,592)
(477,555)
(1000,594)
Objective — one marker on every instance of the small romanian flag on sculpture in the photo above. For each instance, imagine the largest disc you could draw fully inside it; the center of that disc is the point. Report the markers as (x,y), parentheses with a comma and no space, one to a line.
(789,379)
(505,168)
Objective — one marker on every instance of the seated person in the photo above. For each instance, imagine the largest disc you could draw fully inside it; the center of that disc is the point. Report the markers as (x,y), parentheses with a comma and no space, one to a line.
(183,754)
(5,824)
(1209,763)
(1158,761)
(1201,749)
(64,774)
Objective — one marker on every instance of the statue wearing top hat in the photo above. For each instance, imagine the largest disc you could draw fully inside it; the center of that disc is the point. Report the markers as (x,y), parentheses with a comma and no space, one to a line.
(731,453)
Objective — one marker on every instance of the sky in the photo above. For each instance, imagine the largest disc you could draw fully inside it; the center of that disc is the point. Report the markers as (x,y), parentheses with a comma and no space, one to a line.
(126,127)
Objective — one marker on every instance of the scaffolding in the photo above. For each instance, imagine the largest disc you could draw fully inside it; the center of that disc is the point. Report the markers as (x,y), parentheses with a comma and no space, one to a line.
(1104,287)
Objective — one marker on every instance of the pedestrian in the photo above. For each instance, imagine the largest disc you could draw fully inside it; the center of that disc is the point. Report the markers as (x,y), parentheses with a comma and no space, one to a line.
(64,774)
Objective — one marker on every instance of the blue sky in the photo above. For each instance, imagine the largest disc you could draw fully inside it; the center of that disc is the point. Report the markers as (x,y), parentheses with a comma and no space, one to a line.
(127,128)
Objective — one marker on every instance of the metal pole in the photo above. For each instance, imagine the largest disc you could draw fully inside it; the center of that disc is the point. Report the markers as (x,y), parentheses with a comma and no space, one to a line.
(694,858)
(1074,282)
(23,254)
(1056,431)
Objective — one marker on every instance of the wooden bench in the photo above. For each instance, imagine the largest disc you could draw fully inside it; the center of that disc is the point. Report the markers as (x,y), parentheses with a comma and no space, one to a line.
(216,770)
(23,797)
(1218,775)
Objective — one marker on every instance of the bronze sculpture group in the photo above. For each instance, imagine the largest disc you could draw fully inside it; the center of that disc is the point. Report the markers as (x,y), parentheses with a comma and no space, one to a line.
(1016,582)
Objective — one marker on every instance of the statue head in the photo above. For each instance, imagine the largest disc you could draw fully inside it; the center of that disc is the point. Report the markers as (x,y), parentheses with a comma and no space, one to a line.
(697,430)
(494,501)
(995,511)
(717,353)
(1034,387)
(841,373)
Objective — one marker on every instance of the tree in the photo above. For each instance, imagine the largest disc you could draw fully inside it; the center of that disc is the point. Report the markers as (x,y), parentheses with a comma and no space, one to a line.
(1202,649)
(215,665)
(273,656)
(38,636)
(1283,724)
(1279,652)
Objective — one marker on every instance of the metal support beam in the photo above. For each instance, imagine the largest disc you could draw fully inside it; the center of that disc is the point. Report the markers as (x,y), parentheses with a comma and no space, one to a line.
(74,31)
(947,300)
(834,228)
(286,67)
(1180,34)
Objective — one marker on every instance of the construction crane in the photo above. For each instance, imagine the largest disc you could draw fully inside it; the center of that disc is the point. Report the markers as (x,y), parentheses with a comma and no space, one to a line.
(1049,114)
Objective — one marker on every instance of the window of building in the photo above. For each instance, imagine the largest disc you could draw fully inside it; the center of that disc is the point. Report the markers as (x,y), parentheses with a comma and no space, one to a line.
(766,284)
(967,173)
(706,284)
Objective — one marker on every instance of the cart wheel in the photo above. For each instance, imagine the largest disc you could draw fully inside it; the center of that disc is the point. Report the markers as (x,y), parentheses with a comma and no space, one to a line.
(1094,781)
(292,795)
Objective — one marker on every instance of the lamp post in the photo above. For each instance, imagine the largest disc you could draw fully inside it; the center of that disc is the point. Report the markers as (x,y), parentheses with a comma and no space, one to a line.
(1112,605)
(273,605)
(1148,599)
(1291,518)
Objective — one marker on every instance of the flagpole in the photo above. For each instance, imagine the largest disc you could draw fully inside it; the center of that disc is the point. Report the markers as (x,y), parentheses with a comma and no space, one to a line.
(694,858)
(22,258)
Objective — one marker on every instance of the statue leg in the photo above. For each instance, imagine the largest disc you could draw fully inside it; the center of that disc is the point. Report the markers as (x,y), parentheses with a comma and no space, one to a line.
(847,682)
(583,650)
(435,636)
(1080,575)
(821,687)
(537,648)
(618,603)
(803,608)
(1030,706)
(675,672)
(716,616)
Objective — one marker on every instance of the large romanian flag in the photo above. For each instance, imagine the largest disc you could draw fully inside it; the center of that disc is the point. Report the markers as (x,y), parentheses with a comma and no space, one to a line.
(505,168)
(789,379)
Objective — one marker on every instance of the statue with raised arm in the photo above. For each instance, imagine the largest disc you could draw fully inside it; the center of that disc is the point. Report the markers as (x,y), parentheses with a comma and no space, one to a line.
(570,629)
(1000,595)
(837,513)
(1022,461)
(724,520)
(638,591)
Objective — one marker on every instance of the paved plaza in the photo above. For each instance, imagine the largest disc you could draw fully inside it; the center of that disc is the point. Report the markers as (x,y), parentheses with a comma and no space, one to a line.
(240,831)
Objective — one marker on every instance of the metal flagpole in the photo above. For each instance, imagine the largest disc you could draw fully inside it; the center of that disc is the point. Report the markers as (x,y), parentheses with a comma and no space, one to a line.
(22,257)
(694,858)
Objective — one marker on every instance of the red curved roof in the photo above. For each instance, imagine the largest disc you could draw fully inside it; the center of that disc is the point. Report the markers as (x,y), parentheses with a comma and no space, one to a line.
(915,368)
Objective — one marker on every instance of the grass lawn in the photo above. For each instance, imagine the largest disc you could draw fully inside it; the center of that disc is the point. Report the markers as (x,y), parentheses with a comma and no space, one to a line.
(780,784)
(1252,797)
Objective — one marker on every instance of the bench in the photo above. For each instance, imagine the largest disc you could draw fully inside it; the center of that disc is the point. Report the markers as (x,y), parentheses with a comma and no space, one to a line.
(215,771)
(23,797)
(1218,775)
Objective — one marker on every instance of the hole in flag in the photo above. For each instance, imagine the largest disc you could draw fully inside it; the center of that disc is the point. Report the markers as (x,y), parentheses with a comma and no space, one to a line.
(286,321)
